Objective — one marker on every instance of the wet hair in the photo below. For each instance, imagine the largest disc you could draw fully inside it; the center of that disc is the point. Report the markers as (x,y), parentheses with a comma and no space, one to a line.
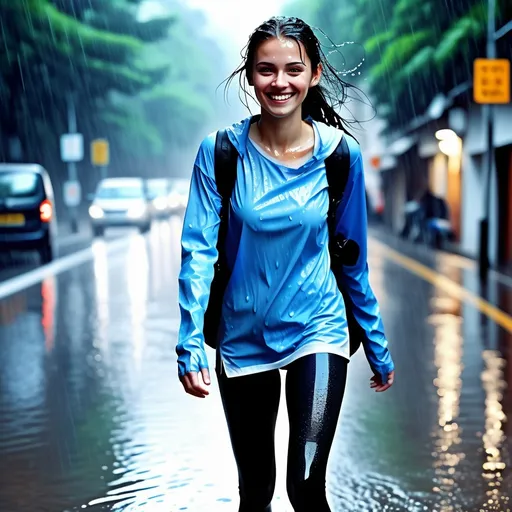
(322,100)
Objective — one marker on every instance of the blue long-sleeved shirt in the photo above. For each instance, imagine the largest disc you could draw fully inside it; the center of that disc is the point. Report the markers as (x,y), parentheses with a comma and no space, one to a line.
(282,300)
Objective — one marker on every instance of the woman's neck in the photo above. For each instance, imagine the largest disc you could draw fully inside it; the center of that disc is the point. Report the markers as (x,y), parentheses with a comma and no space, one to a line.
(285,135)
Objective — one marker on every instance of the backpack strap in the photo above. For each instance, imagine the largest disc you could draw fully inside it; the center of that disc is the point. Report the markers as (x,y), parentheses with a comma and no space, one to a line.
(337,169)
(226,164)
(226,160)
(342,251)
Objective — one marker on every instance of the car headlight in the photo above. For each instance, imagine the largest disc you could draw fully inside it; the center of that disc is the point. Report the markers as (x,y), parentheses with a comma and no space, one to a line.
(160,203)
(174,200)
(95,212)
(136,211)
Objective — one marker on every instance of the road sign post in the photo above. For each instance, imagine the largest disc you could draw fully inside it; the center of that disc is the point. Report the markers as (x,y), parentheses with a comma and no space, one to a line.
(491,85)
(100,155)
(71,152)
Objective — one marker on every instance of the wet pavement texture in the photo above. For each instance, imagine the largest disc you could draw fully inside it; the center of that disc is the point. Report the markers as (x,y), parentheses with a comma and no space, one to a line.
(92,415)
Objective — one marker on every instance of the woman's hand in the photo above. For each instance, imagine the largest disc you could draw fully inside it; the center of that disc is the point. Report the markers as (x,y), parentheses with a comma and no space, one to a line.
(195,383)
(379,386)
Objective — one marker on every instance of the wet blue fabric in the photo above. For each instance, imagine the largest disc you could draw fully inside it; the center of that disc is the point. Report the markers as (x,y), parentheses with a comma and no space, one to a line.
(282,300)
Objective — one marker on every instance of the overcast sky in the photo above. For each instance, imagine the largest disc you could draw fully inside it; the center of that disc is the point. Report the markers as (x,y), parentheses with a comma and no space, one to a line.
(236,19)
(231,21)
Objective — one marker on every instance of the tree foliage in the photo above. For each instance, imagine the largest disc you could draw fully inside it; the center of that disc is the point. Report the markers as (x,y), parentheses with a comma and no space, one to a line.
(145,85)
(414,48)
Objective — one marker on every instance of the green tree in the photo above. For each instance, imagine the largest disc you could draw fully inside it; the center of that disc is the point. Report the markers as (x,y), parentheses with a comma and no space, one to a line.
(414,49)
(145,85)
(57,53)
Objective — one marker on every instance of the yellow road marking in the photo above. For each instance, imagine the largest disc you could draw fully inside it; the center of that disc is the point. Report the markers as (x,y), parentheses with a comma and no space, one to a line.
(456,290)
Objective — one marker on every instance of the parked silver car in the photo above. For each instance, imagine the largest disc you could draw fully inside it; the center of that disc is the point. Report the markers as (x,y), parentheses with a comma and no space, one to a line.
(120,202)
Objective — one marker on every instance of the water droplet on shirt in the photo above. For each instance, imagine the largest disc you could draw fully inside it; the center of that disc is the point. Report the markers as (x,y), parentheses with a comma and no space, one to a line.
(290,217)
(190,225)
(254,309)
(247,298)
(255,331)
(261,217)
(291,313)
(277,264)
(301,223)
(266,323)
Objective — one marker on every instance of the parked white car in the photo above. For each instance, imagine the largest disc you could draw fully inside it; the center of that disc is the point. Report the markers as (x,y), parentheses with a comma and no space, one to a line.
(120,202)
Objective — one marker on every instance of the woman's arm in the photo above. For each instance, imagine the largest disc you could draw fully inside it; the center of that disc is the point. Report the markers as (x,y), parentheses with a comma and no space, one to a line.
(351,223)
(198,256)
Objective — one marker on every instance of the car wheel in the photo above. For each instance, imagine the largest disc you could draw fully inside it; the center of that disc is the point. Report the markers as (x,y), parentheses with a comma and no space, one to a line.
(46,253)
(98,231)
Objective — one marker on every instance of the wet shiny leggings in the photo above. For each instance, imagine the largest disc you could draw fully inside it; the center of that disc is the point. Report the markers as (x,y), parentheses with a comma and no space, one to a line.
(315,385)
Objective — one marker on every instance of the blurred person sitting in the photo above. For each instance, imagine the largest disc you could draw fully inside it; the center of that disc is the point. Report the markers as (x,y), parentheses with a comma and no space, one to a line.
(436,225)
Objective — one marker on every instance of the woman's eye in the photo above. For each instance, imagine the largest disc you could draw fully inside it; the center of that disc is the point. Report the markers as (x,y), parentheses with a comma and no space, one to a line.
(264,70)
(295,70)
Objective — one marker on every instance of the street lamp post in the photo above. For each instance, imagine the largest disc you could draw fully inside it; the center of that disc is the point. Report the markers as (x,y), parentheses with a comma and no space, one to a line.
(488,111)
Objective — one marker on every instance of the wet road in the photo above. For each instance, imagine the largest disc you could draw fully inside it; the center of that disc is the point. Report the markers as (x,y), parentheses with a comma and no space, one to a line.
(93,417)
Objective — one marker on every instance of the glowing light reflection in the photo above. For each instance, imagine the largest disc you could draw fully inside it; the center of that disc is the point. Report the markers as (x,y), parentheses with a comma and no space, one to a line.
(101,341)
(137,269)
(494,385)
(448,355)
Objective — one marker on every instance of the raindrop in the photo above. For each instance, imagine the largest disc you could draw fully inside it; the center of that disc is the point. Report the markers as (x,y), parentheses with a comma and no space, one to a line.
(254,309)
(277,264)
(261,217)
(266,323)
(247,298)
(290,217)
(301,223)
(291,313)
(190,225)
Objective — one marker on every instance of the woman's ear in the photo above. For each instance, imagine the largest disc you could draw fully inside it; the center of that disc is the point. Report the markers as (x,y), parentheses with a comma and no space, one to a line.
(315,79)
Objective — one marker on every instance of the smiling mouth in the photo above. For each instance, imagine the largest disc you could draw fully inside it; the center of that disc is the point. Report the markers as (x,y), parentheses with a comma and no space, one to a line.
(280,97)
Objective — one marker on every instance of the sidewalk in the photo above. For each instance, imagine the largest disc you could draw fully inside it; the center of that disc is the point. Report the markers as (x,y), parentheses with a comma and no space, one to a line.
(428,255)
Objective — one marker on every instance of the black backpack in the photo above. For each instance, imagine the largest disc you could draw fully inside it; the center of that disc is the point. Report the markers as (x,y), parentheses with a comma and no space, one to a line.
(342,251)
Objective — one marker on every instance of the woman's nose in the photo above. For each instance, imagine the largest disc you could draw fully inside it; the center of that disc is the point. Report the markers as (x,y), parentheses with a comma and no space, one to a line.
(280,80)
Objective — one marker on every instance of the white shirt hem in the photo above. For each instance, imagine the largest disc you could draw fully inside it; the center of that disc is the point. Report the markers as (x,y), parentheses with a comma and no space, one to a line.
(310,348)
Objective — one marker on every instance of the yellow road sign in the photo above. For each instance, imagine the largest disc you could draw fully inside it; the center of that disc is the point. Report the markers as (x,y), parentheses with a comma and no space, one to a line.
(100,152)
(491,81)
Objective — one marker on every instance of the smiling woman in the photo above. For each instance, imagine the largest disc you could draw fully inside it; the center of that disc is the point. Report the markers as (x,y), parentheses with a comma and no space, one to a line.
(283,307)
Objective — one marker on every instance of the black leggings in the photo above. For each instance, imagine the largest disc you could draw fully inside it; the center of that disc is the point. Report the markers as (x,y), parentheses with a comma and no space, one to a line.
(315,385)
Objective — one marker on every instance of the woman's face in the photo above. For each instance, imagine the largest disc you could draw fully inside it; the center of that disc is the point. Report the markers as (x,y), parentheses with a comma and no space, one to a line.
(282,76)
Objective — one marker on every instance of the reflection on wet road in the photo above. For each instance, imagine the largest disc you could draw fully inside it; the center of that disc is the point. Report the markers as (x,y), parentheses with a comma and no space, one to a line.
(93,417)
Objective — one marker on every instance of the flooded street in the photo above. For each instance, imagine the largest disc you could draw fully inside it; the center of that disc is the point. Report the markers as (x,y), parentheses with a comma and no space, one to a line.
(92,415)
